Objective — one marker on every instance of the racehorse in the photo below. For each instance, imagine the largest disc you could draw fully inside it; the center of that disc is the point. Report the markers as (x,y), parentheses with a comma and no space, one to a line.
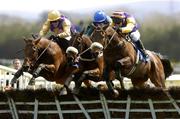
(91,64)
(121,56)
(45,58)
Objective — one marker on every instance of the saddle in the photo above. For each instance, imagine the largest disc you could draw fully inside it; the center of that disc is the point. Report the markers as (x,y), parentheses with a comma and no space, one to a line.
(62,42)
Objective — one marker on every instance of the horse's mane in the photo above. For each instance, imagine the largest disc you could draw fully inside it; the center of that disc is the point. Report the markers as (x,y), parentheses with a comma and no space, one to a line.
(113,37)
(45,43)
(87,40)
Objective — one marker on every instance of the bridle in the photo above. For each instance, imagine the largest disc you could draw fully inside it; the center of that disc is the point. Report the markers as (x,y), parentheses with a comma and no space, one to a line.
(105,38)
(37,52)
(102,33)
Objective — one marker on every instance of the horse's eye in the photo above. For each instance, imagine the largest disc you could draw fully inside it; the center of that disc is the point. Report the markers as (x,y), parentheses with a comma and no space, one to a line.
(109,36)
(34,48)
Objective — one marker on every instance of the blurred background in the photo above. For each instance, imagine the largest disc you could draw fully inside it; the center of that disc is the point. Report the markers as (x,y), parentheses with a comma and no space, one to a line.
(159,21)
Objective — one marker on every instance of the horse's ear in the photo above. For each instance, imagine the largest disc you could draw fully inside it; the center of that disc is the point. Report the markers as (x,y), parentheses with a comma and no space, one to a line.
(82,32)
(109,30)
(37,40)
(105,26)
(24,38)
(34,36)
(72,33)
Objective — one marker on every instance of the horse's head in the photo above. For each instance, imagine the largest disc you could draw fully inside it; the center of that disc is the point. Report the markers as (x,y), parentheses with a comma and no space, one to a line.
(105,35)
(115,38)
(76,39)
(30,52)
(99,34)
(80,41)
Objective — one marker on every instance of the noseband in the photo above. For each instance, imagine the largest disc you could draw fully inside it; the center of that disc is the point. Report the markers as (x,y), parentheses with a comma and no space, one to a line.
(102,34)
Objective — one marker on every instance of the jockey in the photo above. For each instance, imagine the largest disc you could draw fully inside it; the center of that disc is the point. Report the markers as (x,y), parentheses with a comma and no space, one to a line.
(60,26)
(100,19)
(126,24)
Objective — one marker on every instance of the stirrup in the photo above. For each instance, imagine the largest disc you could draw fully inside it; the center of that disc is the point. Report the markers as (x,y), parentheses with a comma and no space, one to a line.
(146,56)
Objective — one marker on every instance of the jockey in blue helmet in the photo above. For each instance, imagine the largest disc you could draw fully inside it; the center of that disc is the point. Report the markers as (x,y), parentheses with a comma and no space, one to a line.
(99,19)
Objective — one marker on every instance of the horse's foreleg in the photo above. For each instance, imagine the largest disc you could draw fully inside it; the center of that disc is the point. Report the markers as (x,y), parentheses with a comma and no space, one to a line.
(109,83)
(78,83)
(17,75)
(36,73)
(118,75)
(66,85)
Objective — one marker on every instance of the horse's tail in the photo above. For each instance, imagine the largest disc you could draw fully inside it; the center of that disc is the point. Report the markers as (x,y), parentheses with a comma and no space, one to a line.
(168,68)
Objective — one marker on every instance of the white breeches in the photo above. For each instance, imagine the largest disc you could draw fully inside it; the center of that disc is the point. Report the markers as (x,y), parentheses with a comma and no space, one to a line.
(135,36)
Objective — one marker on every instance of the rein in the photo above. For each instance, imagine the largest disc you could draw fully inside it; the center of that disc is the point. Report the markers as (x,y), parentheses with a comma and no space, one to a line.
(19,51)
(102,32)
(79,39)
(110,40)
(43,51)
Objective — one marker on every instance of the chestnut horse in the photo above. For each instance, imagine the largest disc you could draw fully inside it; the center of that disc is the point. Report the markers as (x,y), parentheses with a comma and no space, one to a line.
(45,58)
(121,56)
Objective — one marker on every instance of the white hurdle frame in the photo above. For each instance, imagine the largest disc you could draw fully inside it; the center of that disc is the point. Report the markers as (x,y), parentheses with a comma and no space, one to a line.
(6,74)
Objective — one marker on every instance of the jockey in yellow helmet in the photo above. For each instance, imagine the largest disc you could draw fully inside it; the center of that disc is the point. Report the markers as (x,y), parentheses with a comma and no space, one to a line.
(126,24)
(60,26)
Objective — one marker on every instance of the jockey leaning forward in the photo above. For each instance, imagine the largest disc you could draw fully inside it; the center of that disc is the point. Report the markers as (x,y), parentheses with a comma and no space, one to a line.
(60,26)
(123,23)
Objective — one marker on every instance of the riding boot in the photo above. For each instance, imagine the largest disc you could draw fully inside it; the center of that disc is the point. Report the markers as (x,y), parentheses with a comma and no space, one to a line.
(63,43)
(140,45)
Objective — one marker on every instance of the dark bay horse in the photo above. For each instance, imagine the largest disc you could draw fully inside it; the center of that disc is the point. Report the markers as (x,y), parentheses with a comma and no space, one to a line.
(121,56)
(91,64)
(45,58)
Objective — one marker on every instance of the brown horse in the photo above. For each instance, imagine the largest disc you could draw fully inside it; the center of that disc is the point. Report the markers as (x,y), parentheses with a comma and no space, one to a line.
(45,58)
(91,64)
(121,56)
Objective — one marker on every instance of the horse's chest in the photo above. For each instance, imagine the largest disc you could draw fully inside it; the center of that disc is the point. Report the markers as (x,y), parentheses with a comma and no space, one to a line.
(112,55)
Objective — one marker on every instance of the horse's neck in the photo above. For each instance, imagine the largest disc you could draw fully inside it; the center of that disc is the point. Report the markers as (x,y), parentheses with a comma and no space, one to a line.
(86,43)
(44,43)
(97,37)
(87,54)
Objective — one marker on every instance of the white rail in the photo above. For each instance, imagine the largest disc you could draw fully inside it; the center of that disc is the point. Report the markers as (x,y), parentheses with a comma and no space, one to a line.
(6,74)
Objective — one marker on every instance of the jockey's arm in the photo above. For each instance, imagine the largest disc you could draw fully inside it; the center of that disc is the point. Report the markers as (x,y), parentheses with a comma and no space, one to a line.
(66,29)
(45,28)
(130,25)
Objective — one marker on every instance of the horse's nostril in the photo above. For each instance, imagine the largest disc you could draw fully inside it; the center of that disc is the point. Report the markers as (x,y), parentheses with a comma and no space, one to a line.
(96,54)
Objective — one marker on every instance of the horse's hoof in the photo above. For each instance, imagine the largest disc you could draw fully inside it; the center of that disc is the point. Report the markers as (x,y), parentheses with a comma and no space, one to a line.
(63,92)
(75,91)
(8,88)
(30,87)
(102,87)
(116,93)
(31,82)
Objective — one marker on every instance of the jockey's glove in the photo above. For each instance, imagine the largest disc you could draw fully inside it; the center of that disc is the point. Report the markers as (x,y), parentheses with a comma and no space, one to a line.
(119,30)
(52,37)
